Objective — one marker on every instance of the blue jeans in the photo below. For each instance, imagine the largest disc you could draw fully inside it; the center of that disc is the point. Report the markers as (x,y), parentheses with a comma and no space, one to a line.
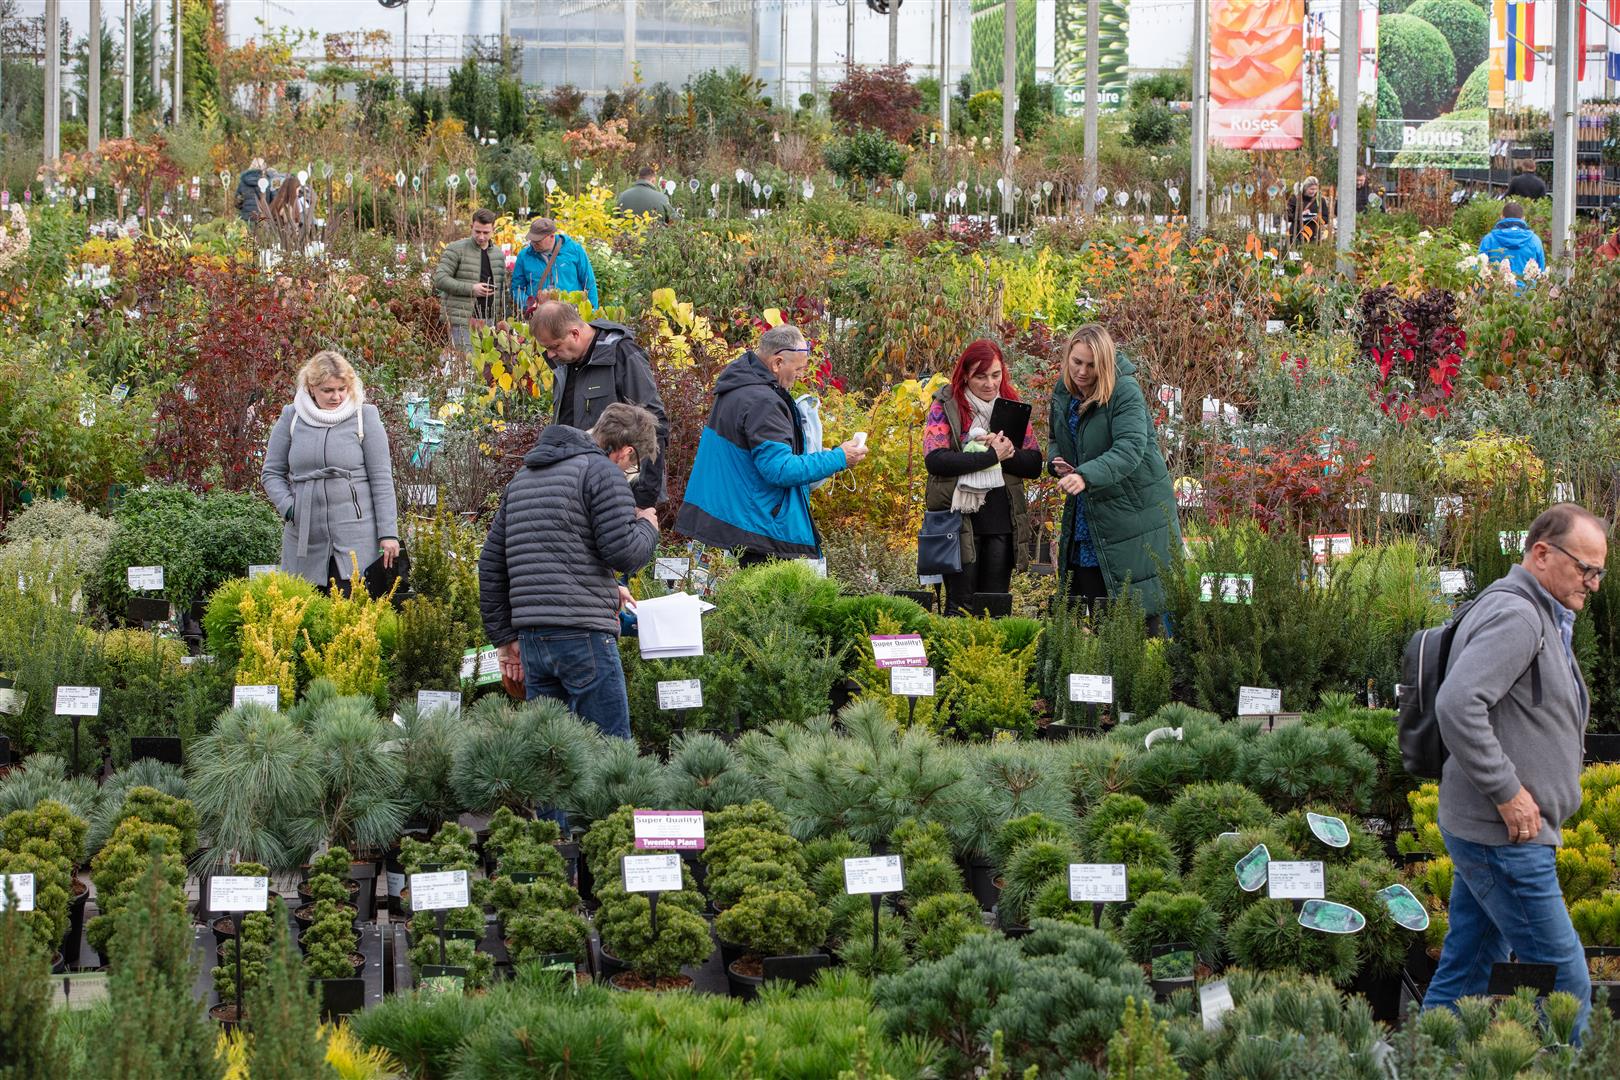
(1505,898)
(580,669)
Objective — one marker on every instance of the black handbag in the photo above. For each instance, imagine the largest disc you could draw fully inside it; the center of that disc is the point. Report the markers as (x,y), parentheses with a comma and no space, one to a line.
(939,544)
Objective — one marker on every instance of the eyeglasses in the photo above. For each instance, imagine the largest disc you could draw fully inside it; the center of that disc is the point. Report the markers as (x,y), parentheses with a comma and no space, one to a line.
(1591,573)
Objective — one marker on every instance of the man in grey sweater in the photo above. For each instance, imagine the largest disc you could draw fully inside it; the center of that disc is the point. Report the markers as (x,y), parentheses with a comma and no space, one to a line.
(567,524)
(1512,711)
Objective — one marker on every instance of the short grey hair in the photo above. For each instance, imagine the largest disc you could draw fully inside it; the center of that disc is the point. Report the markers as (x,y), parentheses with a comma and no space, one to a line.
(777,338)
(622,425)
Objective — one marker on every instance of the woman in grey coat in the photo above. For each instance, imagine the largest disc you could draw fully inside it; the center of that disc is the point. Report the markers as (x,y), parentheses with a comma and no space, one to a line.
(328,473)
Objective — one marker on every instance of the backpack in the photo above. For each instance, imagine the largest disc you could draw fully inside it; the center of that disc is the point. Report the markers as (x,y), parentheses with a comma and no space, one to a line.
(1423,669)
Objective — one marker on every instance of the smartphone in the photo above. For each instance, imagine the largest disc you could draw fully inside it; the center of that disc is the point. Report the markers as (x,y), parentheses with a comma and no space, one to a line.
(860,439)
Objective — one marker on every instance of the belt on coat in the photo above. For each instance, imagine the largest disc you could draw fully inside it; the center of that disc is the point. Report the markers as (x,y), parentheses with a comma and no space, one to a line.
(304,497)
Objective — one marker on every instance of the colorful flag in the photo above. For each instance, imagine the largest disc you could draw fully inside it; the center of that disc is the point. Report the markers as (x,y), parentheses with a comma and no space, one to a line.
(1613,39)
(1521,41)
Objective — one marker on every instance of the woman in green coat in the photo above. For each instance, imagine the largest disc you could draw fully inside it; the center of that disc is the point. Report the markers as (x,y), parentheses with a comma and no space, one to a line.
(1119,520)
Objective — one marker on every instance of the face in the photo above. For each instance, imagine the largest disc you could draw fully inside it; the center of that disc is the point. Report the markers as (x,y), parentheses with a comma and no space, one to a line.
(626,458)
(1083,368)
(1310,191)
(1569,568)
(789,364)
(330,394)
(1361,181)
(483,232)
(543,244)
(987,383)
(570,347)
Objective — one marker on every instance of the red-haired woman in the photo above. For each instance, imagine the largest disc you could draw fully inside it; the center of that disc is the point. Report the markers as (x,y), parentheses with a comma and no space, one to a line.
(980,473)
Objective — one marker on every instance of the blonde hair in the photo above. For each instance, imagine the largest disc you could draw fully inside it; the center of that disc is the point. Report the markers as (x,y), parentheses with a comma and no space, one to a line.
(329,364)
(1101,343)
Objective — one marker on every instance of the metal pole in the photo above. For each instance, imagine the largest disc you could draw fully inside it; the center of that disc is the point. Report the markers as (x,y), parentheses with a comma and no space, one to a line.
(1198,210)
(179,56)
(849,33)
(629,36)
(1349,131)
(129,67)
(156,19)
(815,56)
(1093,103)
(945,72)
(753,44)
(405,51)
(53,82)
(894,33)
(93,91)
(629,39)
(1009,99)
(1565,102)
(781,57)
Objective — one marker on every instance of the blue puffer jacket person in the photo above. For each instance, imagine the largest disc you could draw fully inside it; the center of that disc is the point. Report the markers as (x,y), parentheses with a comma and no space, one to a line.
(750,485)
(552,262)
(1514,240)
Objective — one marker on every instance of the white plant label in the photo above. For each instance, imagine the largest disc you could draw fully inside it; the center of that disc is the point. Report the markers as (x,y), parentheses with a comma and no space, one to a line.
(1563,492)
(1233,588)
(669,830)
(1448,506)
(439,891)
(200,658)
(911,681)
(422,494)
(1158,734)
(1214,1002)
(898,650)
(13,702)
(1331,831)
(78,700)
(23,886)
(1453,582)
(448,700)
(1394,502)
(680,694)
(261,569)
(1512,542)
(878,874)
(145,578)
(1096,689)
(238,893)
(1295,880)
(672,569)
(1258,701)
(268,696)
(1097,883)
(652,873)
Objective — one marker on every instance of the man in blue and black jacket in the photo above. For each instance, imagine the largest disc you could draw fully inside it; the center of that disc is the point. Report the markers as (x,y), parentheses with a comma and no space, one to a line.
(750,484)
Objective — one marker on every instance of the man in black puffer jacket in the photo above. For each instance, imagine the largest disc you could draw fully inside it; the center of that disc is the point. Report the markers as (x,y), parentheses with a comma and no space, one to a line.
(546,583)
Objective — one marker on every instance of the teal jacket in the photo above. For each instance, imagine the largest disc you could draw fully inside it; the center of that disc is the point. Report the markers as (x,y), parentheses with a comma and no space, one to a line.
(571,272)
(1130,500)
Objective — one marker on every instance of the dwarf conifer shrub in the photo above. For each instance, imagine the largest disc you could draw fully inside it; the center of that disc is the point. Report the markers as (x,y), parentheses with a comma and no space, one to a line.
(1161,918)
(625,923)
(329,941)
(937,925)
(1381,946)
(1112,810)
(1022,830)
(704,774)
(1204,811)
(557,932)
(28,1025)
(119,867)
(1300,765)
(535,754)
(1213,875)
(1268,937)
(1031,867)
(775,921)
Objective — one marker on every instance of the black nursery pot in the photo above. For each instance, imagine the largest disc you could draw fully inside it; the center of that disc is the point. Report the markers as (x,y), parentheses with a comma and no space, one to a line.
(1602,746)
(74,938)
(980,871)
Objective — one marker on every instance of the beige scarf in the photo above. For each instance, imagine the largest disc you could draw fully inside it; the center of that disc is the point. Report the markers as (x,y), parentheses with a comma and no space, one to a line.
(973,488)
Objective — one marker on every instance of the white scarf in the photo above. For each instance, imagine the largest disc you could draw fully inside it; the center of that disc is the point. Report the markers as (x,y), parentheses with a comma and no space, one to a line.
(973,488)
(305,409)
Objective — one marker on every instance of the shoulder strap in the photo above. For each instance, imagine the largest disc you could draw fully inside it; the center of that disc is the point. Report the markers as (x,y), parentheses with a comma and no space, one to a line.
(1541,640)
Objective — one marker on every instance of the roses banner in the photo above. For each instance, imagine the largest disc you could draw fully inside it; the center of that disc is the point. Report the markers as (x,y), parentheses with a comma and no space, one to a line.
(1256,61)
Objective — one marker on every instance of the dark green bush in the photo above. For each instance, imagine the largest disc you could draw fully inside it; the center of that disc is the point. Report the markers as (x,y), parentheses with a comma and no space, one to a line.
(867,156)
(1204,811)
(1465,27)
(1417,59)
(1162,918)
(1268,937)
(1300,764)
(200,541)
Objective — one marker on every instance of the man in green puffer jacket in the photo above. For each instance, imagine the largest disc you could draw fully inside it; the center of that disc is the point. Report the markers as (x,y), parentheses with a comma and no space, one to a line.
(471,280)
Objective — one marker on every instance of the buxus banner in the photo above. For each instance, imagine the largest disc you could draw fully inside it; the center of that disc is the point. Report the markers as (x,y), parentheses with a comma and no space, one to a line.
(1434,74)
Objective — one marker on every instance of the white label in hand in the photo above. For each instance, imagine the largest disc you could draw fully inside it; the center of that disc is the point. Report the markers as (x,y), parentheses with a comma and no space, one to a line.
(145,578)
(898,650)
(1295,881)
(23,886)
(1258,701)
(911,681)
(1097,883)
(78,700)
(448,700)
(680,694)
(652,873)
(878,874)
(268,696)
(238,893)
(669,830)
(1098,689)
(439,891)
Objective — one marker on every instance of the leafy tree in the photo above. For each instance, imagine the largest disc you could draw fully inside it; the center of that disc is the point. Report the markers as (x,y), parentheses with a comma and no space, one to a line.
(473,97)
(877,99)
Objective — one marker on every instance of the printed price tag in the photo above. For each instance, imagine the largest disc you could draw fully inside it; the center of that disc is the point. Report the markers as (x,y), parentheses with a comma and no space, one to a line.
(652,873)
(669,830)
(145,578)
(1097,689)
(898,650)
(672,570)
(268,696)
(1301,880)
(878,874)
(23,886)
(1331,831)
(238,893)
(448,700)
(78,700)
(1214,1002)
(1453,582)
(1331,918)
(1325,546)
(911,681)
(1234,588)
(1097,883)
(1252,870)
(200,658)
(1404,908)
(439,891)
(680,694)
(261,569)
(1258,701)
(13,702)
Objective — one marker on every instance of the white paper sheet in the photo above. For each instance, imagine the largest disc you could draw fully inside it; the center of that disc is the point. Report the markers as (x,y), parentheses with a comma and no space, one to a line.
(671,625)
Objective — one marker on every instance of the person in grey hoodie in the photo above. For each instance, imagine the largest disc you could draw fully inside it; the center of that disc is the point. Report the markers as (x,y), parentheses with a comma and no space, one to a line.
(1512,711)
(546,585)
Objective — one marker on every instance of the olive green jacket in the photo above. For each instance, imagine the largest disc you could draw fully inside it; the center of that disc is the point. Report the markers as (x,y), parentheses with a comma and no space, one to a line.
(457,275)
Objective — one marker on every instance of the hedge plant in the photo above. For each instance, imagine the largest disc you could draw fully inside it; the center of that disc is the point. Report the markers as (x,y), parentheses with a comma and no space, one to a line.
(1162,918)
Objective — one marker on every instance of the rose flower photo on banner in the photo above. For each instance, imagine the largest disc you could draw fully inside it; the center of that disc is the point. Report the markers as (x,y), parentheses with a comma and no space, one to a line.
(1256,53)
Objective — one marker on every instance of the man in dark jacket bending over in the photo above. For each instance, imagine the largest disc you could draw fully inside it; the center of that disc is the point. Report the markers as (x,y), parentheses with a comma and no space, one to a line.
(567,524)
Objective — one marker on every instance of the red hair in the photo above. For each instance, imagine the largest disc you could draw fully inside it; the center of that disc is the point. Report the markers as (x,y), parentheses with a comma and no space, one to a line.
(973,361)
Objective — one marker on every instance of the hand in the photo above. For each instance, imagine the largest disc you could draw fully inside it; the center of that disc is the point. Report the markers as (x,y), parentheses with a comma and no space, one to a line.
(1061,468)
(1071,483)
(390,552)
(649,514)
(625,599)
(1522,817)
(511,661)
(854,452)
(483,288)
(1001,445)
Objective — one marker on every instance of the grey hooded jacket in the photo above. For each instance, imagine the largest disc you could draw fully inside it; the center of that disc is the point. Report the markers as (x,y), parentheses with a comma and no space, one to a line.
(566,525)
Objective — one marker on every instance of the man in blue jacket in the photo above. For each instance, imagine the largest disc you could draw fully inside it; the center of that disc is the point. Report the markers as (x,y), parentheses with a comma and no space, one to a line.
(1514,240)
(552,262)
(750,485)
